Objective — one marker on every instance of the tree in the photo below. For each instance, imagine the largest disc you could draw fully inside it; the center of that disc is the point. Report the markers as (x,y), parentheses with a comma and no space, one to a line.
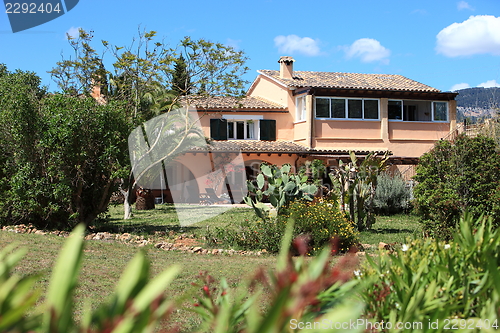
(141,73)
(181,82)
(455,177)
(61,153)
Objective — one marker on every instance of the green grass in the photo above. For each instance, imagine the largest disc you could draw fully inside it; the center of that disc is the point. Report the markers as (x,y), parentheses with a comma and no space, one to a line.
(392,229)
(104,261)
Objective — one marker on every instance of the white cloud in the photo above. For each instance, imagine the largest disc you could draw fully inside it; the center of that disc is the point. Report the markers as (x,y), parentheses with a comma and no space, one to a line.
(477,35)
(464,5)
(489,84)
(295,44)
(368,50)
(73,32)
(459,86)
(234,43)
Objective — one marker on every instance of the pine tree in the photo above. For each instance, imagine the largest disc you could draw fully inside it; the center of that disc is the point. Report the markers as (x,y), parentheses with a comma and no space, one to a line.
(181,83)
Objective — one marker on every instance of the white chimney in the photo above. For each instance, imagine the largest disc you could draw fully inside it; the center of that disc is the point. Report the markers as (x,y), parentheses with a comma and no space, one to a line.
(286,67)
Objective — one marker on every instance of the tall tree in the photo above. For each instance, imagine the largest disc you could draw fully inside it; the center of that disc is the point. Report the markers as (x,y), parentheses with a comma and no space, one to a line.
(181,82)
(62,153)
(142,71)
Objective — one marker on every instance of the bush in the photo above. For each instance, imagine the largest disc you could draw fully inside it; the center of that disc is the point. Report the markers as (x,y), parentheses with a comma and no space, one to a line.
(454,177)
(320,221)
(392,195)
(428,280)
(59,154)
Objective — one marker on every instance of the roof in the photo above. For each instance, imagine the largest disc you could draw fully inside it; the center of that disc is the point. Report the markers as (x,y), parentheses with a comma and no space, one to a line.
(271,147)
(232,103)
(349,81)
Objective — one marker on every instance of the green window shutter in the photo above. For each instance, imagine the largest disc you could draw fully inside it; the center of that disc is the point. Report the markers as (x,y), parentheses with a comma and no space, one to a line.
(268,129)
(218,129)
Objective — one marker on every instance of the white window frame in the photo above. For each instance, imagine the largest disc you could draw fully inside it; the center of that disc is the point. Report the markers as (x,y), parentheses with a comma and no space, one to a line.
(432,111)
(346,103)
(245,119)
(447,112)
(300,108)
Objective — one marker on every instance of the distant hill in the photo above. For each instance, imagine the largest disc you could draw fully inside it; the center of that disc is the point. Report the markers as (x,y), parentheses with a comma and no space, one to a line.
(477,103)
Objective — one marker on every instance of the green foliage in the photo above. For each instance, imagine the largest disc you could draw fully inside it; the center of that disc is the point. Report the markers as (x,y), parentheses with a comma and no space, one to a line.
(293,288)
(454,177)
(137,304)
(356,184)
(428,280)
(320,222)
(278,185)
(16,294)
(181,82)
(60,154)
(392,195)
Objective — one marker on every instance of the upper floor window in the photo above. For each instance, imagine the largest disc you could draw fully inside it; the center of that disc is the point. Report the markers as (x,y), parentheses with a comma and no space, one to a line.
(300,108)
(240,129)
(407,110)
(243,128)
(347,108)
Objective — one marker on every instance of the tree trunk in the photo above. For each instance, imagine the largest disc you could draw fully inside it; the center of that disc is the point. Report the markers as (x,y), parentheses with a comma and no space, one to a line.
(127,206)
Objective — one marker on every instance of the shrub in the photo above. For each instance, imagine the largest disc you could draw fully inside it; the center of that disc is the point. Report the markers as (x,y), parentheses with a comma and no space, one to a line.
(429,280)
(392,195)
(454,177)
(320,221)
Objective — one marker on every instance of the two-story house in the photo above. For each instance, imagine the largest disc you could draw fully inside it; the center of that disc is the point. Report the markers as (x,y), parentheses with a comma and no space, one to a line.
(293,116)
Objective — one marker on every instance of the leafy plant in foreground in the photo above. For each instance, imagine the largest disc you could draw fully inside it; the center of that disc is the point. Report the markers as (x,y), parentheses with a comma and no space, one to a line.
(305,296)
(429,281)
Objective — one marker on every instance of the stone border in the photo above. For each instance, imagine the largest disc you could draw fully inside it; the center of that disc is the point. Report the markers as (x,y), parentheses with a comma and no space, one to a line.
(180,243)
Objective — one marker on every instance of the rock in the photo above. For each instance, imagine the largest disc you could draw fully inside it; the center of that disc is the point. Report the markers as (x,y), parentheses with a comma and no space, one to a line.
(382,245)
(197,249)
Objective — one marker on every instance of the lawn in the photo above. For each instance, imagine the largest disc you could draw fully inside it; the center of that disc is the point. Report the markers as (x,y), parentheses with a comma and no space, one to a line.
(105,260)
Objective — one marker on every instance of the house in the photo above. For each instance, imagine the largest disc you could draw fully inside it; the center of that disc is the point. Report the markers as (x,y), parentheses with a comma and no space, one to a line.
(291,116)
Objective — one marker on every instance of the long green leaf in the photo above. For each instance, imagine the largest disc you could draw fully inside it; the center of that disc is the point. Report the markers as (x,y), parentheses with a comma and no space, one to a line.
(58,316)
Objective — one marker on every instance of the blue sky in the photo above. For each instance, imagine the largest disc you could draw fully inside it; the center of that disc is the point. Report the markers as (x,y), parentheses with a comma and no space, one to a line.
(447,44)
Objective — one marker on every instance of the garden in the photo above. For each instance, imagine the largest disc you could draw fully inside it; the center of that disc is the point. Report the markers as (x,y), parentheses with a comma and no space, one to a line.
(299,265)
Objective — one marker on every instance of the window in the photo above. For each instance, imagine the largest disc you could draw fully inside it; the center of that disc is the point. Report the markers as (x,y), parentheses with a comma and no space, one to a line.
(239,127)
(347,108)
(408,110)
(300,108)
(240,130)
(395,110)
(440,111)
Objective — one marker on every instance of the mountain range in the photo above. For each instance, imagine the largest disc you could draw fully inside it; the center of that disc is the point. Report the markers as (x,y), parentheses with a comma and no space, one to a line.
(477,103)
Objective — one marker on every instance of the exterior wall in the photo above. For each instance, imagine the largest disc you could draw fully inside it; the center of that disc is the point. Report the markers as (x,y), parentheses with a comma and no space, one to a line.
(300,132)
(196,168)
(284,122)
(270,90)
(425,131)
(402,138)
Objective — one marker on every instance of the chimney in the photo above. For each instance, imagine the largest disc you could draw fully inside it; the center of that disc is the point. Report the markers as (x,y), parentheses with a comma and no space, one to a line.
(286,67)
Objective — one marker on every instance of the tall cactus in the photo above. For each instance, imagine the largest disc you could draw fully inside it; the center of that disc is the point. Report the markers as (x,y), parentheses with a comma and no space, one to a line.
(280,186)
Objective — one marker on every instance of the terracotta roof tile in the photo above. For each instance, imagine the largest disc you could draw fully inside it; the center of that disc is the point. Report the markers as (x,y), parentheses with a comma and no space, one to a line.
(350,81)
(286,147)
(232,103)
